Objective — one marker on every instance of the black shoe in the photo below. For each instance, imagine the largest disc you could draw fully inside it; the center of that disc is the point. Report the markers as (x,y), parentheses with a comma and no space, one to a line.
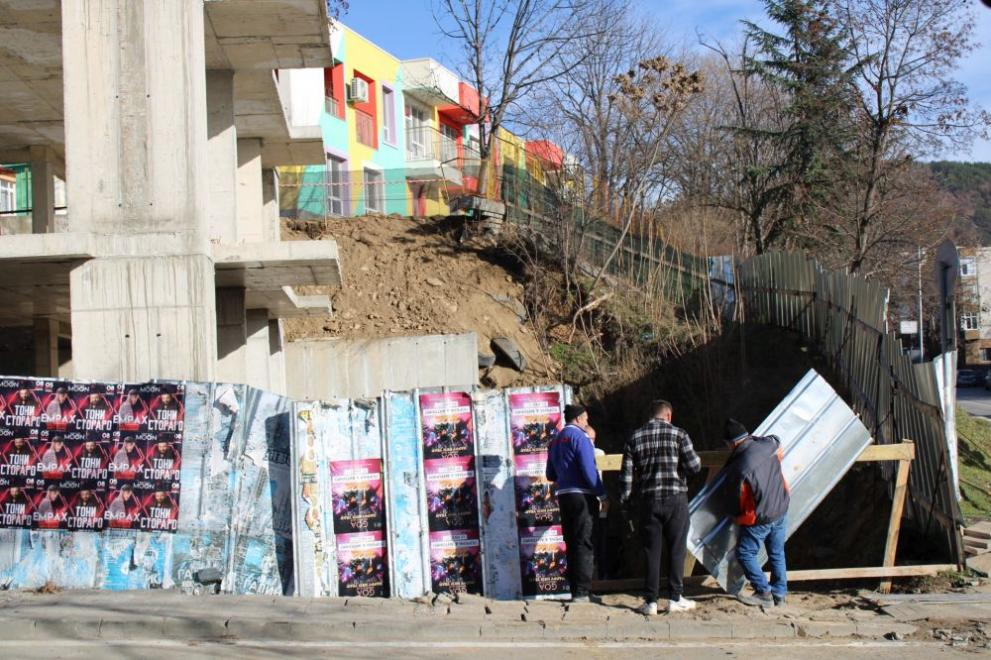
(759,599)
(779,601)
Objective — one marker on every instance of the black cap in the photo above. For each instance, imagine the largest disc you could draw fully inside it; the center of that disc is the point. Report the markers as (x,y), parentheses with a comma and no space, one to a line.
(734,430)
(572,411)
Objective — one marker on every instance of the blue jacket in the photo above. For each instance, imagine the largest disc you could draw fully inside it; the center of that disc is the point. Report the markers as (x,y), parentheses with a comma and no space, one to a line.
(571,463)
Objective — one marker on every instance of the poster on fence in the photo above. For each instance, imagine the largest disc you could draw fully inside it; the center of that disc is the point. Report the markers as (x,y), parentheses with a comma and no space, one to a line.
(536,503)
(21,402)
(361,564)
(450,489)
(543,561)
(534,419)
(446,424)
(455,562)
(358,500)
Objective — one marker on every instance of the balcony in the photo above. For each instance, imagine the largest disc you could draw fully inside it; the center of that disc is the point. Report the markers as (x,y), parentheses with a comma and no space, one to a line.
(331,106)
(433,154)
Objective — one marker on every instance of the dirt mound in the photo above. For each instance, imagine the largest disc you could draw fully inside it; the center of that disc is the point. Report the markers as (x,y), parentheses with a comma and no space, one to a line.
(405,277)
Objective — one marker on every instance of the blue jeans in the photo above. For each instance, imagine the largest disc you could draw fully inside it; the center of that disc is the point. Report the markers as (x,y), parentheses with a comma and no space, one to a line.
(772,536)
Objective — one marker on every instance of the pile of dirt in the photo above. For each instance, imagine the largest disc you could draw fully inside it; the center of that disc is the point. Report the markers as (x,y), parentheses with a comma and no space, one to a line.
(408,277)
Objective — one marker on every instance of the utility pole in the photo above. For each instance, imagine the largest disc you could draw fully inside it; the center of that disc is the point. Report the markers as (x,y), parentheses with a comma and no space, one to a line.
(922,349)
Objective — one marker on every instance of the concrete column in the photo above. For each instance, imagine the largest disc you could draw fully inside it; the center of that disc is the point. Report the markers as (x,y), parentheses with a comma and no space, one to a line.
(42,190)
(46,359)
(250,201)
(222,156)
(257,350)
(270,199)
(136,163)
(232,335)
(276,357)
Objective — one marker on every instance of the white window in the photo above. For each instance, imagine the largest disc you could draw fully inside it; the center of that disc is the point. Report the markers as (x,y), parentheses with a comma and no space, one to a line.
(417,138)
(388,115)
(968,268)
(336,185)
(968,322)
(374,201)
(8,196)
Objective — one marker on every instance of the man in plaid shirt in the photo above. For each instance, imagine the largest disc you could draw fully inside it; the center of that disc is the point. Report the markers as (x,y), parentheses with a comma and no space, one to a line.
(659,455)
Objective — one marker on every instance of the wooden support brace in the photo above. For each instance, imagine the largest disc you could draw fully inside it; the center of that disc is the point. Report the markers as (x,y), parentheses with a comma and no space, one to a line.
(895,520)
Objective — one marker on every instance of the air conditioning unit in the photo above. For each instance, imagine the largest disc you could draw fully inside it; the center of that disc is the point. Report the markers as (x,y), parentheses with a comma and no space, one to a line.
(358,91)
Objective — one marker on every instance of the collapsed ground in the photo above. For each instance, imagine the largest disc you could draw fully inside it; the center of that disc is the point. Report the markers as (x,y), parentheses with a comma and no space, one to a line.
(405,277)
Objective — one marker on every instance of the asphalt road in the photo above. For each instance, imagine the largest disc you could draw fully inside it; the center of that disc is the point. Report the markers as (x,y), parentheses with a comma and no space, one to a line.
(245,649)
(975,400)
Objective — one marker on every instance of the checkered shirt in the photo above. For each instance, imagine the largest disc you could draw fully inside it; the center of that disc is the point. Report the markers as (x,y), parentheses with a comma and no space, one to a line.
(658,456)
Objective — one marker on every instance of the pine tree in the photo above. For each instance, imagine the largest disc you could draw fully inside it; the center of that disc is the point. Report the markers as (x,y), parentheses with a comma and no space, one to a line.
(810,62)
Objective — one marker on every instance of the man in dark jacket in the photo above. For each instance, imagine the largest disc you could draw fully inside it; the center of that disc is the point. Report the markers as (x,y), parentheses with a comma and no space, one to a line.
(757,495)
(571,465)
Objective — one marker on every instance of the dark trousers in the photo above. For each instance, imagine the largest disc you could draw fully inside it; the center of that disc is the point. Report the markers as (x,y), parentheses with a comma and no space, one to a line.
(664,519)
(578,513)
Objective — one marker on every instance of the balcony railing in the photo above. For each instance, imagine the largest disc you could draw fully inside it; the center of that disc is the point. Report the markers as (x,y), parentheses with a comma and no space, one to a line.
(428,143)
(365,124)
(332,106)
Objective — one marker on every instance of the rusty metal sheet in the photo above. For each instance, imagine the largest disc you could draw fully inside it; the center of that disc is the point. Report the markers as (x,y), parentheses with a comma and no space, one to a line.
(821,438)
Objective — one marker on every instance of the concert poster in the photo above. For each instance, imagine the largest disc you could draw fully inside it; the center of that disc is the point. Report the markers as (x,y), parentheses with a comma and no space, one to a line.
(455,562)
(536,502)
(543,561)
(452,500)
(362,564)
(446,424)
(358,498)
(534,420)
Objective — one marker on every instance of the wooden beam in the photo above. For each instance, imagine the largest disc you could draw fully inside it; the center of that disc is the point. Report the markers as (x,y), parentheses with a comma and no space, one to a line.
(898,452)
(903,451)
(895,520)
(869,572)
(863,573)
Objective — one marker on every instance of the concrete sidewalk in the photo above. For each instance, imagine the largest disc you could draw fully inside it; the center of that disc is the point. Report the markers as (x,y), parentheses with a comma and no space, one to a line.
(144,615)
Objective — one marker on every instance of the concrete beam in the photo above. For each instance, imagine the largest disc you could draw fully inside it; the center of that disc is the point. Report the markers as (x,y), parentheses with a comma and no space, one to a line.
(274,265)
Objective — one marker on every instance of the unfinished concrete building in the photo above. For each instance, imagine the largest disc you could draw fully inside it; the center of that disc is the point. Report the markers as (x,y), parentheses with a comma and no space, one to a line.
(166,119)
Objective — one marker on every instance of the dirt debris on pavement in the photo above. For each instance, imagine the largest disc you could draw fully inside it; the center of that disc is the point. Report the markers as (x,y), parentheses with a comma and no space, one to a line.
(407,277)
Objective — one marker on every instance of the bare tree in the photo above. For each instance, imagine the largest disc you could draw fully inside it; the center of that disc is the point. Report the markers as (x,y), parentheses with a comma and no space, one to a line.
(511,48)
(909,105)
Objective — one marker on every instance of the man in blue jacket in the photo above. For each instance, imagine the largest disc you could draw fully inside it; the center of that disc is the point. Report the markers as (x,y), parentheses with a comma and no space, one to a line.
(571,466)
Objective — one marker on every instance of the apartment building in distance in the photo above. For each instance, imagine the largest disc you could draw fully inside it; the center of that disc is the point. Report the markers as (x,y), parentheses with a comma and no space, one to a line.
(401,137)
(974,306)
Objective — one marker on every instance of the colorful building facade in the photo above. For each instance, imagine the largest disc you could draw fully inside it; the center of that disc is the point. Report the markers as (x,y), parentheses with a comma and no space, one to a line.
(401,137)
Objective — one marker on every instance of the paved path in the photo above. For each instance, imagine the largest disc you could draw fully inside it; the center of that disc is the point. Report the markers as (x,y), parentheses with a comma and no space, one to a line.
(167,624)
(243,649)
(975,400)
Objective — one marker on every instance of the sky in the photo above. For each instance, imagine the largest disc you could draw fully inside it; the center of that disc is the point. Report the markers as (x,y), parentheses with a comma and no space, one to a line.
(407,29)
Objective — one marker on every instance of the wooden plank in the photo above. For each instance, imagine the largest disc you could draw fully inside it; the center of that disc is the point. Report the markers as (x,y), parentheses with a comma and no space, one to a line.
(903,451)
(869,572)
(895,520)
(899,452)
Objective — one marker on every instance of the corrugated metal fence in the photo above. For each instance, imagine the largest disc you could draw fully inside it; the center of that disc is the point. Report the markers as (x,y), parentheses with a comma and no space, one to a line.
(844,315)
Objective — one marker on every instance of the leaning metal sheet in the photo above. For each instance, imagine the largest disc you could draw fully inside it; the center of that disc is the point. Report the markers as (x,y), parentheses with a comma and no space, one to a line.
(821,438)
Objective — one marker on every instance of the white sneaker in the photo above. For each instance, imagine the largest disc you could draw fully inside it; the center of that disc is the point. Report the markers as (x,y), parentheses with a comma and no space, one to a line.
(649,608)
(681,605)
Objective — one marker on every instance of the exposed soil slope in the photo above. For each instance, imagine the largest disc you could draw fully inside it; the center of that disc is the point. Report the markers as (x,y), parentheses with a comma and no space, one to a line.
(410,277)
